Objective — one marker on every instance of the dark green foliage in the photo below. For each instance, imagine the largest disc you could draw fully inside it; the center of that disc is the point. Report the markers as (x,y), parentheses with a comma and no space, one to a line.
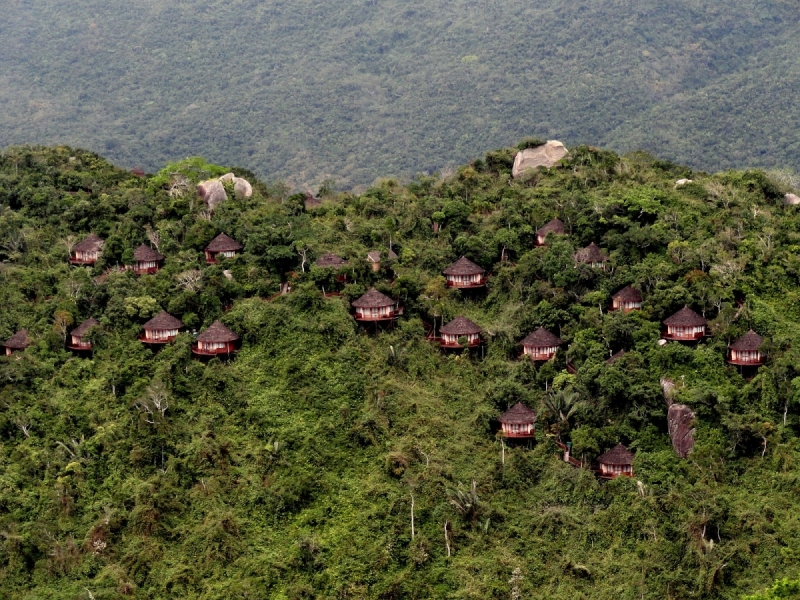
(315,90)
(290,470)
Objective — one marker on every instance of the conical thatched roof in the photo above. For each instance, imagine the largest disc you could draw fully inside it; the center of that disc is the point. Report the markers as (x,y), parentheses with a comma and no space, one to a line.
(373,299)
(685,317)
(464,266)
(84,327)
(217,332)
(163,321)
(554,226)
(628,294)
(749,342)
(330,260)
(618,455)
(591,254)
(518,414)
(224,243)
(541,338)
(460,326)
(145,253)
(91,243)
(18,341)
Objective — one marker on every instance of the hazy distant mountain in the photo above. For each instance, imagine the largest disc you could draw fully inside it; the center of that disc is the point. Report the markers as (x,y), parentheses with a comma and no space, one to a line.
(317,89)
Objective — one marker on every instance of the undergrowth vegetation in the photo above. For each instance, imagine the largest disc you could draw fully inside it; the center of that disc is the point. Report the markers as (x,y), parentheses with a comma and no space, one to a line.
(293,470)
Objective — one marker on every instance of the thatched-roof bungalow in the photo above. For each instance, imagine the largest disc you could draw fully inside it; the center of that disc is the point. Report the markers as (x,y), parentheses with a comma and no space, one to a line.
(221,246)
(17,342)
(617,461)
(215,340)
(374,258)
(685,326)
(78,341)
(146,260)
(375,306)
(87,251)
(331,260)
(541,345)
(745,351)
(458,328)
(518,422)
(465,274)
(592,255)
(556,227)
(161,329)
(627,299)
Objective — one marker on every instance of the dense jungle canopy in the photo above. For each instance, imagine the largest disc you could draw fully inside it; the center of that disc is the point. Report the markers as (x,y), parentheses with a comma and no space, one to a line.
(316,89)
(292,470)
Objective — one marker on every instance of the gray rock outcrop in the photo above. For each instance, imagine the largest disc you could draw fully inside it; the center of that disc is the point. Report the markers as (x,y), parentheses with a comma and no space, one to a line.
(242,188)
(212,192)
(545,155)
(791,199)
(680,422)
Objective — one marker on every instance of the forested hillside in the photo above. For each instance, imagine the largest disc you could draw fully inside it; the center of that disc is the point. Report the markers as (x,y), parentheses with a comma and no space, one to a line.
(317,89)
(292,470)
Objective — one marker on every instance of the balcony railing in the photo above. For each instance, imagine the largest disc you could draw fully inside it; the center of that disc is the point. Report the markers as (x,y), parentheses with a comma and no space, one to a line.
(151,340)
(80,346)
(230,349)
(472,344)
(368,316)
(751,362)
(145,270)
(518,435)
(452,283)
(685,337)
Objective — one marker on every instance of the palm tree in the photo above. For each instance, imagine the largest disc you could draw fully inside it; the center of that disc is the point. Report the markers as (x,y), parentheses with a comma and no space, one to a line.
(563,405)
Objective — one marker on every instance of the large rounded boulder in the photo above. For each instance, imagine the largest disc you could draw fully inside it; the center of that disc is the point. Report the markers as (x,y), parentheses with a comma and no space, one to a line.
(545,155)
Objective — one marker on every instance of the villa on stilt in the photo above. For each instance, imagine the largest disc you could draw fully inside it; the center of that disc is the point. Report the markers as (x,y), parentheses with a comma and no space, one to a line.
(556,227)
(161,329)
(518,422)
(215,340)
(541,345)
(375,306)
(333,261)
(745,352)
(627,299)
(222,246)
(460,327)
(88,251)
(17,342)
(592,255)
(685,326)
(146,260)
(465,274)
(78,341)
(617,461)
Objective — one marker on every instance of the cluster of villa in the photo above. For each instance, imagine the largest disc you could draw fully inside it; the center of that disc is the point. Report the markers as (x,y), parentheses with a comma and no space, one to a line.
(375,307)
(519,423)
(147,261)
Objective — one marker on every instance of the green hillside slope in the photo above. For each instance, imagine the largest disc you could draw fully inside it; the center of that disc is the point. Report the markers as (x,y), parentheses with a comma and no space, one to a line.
(293,469)
(311,90)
